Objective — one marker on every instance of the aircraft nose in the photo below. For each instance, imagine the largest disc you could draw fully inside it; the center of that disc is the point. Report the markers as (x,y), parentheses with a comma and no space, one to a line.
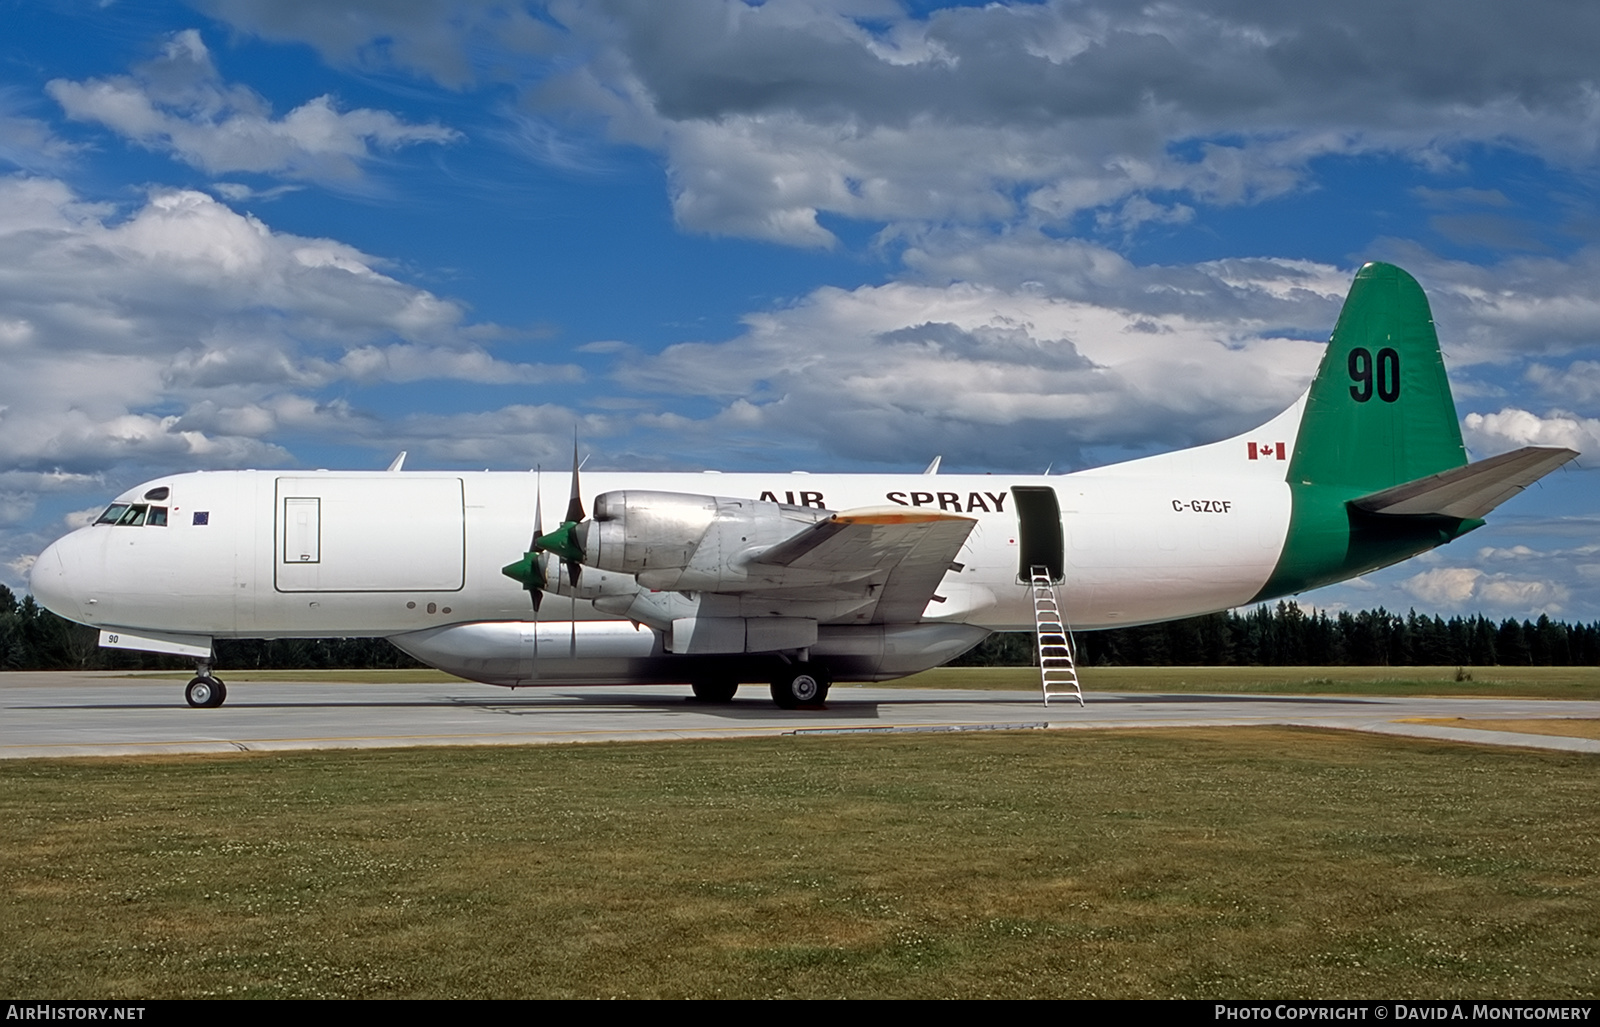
(50,582)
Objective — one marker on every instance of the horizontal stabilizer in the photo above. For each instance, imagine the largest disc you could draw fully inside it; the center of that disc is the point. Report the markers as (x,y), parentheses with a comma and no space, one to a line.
(1470,491)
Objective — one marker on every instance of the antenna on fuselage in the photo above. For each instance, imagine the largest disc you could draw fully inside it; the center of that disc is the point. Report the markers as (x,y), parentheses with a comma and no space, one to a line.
(398,462)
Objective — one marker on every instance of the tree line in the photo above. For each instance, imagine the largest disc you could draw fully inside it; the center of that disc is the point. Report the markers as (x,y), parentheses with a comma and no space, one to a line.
(33,638)
(1287,636)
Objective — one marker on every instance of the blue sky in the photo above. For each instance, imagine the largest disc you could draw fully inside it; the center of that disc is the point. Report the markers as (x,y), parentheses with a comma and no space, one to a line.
(804,234)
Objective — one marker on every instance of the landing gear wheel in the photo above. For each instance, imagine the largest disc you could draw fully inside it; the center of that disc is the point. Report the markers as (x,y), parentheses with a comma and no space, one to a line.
(715,690)
(206,692)
(801,684)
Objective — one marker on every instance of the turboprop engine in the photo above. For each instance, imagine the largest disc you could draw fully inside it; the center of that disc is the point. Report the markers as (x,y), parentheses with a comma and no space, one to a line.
(672,541)
(701,579)
(716,574)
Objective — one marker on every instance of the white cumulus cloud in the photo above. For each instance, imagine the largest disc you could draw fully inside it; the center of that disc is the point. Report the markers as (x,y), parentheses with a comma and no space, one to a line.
(774,116)
(1012,377)
(1512,427)
(1462,588)
(178,103)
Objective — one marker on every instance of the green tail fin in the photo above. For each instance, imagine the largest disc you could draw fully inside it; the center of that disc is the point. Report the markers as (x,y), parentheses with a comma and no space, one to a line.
(1379,412)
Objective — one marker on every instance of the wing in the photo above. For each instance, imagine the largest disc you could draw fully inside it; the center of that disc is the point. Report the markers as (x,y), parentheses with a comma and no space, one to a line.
(901,555)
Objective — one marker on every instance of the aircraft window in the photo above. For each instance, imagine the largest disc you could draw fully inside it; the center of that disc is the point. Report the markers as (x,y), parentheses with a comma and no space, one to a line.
(158,516)
(134,516)
(159,493)
(113,513)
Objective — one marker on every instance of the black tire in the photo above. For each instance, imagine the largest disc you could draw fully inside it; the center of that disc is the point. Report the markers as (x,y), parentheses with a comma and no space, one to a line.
(206,693)
(801,684)
(715,690)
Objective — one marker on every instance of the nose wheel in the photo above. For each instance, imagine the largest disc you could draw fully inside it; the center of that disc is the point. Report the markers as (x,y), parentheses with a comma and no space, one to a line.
(206,692)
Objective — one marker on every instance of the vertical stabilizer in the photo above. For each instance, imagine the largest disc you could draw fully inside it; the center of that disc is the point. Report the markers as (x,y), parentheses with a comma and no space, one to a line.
(1379,411)
(1379,414)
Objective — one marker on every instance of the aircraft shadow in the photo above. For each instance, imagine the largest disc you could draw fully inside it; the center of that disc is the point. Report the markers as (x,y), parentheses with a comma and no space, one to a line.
(751,709)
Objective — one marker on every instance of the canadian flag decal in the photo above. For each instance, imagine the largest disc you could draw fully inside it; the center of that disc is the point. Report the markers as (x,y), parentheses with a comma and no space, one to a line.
(1267,451)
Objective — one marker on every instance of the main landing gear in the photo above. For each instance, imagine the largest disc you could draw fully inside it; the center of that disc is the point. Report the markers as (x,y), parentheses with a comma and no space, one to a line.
(797,685)
(205,691)
(801,684)
(715,689)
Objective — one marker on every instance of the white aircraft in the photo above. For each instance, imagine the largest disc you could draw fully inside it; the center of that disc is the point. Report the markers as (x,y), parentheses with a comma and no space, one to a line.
(797,580)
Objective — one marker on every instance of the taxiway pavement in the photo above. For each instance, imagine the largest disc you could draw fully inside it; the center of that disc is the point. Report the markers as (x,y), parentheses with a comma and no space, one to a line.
(101,714)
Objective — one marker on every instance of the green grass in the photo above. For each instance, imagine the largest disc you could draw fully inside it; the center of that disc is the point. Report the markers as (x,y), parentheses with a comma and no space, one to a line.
(1525,682)
(1229,862)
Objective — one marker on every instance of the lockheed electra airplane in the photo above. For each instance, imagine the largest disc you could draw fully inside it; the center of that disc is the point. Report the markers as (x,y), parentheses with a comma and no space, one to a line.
(796,580)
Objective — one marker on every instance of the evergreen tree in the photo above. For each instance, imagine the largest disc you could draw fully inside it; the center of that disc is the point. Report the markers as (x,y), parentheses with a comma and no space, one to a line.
(33,638)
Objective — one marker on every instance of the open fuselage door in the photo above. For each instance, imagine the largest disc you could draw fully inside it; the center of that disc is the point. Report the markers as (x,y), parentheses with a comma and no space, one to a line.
(1039,538)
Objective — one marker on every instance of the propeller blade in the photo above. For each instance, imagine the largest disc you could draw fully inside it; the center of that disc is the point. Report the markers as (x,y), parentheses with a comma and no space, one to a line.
(538,510)
(537,594)
(575,502)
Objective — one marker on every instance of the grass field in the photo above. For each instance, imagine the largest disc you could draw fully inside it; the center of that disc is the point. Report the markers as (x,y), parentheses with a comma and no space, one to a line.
(1226,862)
(1563,726)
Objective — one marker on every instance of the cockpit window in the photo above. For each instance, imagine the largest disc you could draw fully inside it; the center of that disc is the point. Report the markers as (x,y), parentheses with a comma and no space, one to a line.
(158,517)
(132,514)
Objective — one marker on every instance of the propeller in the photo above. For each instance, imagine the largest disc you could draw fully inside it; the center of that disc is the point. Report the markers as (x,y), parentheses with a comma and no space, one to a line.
(564,542)
(530,570)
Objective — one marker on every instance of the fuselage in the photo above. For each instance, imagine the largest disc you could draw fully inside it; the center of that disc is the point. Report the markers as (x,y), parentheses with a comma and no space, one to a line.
(263,554)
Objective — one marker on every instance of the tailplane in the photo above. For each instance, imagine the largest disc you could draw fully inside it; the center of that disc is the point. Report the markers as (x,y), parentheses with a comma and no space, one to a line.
(1468,492)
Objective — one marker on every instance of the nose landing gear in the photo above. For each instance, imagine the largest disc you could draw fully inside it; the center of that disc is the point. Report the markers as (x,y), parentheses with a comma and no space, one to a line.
(205,691)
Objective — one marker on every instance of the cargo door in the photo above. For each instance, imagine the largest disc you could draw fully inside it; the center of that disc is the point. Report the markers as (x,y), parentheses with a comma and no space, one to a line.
(1039,539)
(374,534)
(302,533)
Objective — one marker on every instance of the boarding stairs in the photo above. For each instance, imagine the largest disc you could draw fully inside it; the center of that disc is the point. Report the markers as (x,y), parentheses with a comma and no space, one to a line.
(1058,671)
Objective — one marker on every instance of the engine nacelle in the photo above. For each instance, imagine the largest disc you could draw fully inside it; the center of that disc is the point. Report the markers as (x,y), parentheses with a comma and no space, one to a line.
(635,530)
(674,540)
